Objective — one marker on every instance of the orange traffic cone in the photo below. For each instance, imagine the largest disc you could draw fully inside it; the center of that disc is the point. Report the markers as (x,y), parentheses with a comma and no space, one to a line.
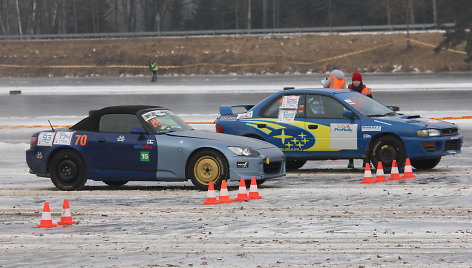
(224,194)
(408,173)
(379,175)
(211,195)
(242,192)
(46,220)
(394,173)
(253,191)
(66,217)
(367,174)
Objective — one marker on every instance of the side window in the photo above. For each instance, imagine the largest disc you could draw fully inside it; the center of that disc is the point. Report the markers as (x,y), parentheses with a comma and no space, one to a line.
(272,110)
(118,123)
(319,106)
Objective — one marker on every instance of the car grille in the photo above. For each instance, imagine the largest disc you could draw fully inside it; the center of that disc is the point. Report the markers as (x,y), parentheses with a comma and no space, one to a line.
(273,167)
(430,148)
(452,145)
(449,131)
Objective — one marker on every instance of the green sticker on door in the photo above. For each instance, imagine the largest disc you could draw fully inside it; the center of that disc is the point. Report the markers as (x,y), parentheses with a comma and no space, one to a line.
(144,157)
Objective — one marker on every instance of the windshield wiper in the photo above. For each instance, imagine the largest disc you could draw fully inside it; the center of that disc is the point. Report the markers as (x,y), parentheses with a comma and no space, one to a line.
(375,115)
(390,114)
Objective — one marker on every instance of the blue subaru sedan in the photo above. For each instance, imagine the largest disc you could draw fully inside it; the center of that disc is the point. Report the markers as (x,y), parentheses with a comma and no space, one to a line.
(147,143)
(321,124)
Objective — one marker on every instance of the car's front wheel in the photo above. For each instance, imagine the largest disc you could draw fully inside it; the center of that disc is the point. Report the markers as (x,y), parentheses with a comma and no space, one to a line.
(67,170)
(425,164)
(294,164)
(207,166)
(386,149)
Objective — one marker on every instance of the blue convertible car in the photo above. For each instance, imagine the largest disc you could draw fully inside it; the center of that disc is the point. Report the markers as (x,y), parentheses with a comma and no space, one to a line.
(147,143)
(310,124)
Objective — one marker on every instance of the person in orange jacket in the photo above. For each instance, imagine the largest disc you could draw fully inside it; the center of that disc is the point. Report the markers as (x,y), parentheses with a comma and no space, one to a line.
(335,79)
(358,86)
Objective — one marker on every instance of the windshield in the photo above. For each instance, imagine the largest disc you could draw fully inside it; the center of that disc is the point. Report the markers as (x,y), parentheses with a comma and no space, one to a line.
(366,106)
(163,121)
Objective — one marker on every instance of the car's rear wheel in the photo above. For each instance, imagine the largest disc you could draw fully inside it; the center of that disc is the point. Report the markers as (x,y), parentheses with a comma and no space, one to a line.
(208,166)
(425,164)
(294,164)
(115,183)
(386,149)
(67,170)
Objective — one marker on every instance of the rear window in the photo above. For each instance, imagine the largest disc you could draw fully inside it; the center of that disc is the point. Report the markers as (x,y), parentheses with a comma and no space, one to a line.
(118,123)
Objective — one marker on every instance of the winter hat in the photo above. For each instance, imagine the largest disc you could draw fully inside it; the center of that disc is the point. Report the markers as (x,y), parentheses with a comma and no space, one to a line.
(356,76)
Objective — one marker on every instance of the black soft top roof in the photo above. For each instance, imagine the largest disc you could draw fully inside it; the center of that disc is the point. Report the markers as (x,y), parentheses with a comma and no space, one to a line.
(91,122)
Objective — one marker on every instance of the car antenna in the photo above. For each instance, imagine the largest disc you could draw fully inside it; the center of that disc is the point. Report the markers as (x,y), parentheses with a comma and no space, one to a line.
(51,126)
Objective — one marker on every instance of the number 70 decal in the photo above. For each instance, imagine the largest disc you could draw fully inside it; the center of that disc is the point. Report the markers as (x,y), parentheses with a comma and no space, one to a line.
(81,140)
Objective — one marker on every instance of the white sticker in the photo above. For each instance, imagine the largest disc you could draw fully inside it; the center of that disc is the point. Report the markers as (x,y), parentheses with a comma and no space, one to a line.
(290,102)
(46,138)
(349,101)
(343,136)
(152,114)
(245,115)
(63,138)
(371,128)
(366,136)
(287,115)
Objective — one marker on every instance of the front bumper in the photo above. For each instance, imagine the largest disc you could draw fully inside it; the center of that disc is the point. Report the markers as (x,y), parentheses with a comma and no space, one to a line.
(418,147)
(259,167)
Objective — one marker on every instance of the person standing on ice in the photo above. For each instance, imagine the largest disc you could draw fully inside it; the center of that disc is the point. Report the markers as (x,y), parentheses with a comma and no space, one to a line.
(335,79)
(358,86)
(153,67)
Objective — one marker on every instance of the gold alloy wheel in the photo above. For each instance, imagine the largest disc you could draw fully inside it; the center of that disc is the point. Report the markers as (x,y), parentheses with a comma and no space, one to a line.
(207,169)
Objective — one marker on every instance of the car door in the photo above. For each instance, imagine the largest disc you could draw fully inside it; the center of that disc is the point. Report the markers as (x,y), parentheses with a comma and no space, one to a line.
(331,131)
(117,152)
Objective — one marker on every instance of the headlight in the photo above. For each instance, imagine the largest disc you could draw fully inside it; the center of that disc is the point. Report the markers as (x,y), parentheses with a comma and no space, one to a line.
(428,132)
(243,151)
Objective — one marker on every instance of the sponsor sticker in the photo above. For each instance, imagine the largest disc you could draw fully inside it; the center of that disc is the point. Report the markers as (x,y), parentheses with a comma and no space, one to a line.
(242,164)
(45,138)
(287,115)
(371,128)
(63,138)
(39,155)
(121,138)
(381,122)
(228,118)
(144,156)
(290,102)
(245,115)
(151,142)
(152,114)
(366,136)
(142,147)
(343,136)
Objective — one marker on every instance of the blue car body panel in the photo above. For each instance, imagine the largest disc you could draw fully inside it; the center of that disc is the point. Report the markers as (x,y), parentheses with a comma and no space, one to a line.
(335,137)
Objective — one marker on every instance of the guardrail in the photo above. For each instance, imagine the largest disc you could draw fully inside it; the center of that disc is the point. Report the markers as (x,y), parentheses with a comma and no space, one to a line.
(396,27)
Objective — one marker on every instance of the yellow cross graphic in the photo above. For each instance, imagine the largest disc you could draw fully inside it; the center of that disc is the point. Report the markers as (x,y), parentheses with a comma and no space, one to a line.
(299,145)
(295,140)
(303,135)
(288,145)
(283,136)
(304,140)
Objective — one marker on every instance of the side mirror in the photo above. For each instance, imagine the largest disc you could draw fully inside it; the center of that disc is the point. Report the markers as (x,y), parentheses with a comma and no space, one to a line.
(348,114)
(394,108)
(137,130)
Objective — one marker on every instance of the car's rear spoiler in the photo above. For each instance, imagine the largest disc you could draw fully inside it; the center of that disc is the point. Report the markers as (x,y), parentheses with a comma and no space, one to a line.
(228,109)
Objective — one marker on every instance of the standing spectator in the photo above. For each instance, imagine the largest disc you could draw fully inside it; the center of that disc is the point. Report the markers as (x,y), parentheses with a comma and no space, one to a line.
(336,79)
(153,67)
(358,86)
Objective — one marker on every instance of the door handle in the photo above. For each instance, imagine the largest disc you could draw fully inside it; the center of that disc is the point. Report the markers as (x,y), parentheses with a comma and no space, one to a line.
(312,126)
(100,140)
(261,125)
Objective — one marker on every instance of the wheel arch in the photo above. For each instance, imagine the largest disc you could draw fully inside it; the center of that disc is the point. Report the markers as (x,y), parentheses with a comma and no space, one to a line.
(187,170)
(379,136)
(254,136)
(60,149)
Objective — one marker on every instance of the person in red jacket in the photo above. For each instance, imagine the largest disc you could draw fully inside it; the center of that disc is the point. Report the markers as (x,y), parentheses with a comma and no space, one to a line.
(358,86)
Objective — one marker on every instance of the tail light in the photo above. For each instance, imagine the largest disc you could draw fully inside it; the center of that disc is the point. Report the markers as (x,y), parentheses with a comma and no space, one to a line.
(33,141)
(219,128)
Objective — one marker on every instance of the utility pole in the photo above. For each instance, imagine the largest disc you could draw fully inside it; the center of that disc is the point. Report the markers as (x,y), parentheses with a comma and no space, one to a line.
(435,15)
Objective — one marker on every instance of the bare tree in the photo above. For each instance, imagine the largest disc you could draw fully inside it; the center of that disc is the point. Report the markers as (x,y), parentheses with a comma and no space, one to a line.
(20,30)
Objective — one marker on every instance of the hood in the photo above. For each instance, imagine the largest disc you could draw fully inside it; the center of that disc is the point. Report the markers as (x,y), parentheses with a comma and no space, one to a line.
(415,120)
(226,138)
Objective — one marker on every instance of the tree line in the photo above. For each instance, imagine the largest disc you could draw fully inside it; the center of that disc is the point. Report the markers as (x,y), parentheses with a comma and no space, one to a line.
(30,17)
